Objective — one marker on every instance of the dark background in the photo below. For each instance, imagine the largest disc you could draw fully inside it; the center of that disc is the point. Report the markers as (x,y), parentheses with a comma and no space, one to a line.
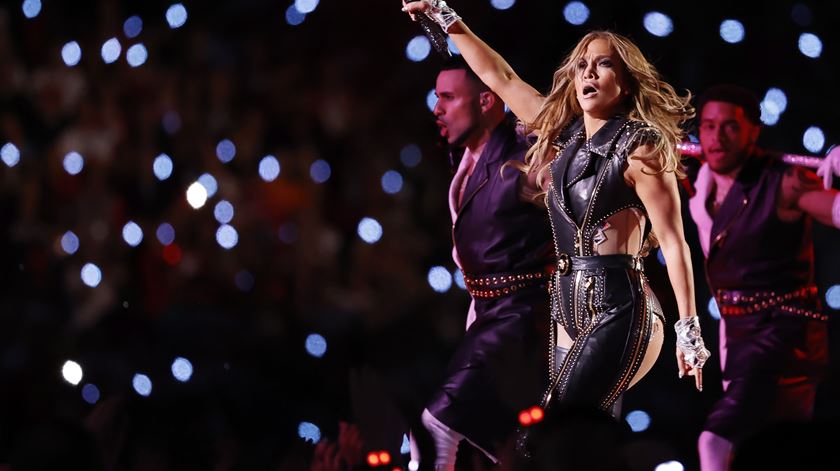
(337,87)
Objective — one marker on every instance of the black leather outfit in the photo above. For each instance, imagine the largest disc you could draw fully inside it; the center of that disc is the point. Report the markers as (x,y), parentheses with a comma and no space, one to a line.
(602,301)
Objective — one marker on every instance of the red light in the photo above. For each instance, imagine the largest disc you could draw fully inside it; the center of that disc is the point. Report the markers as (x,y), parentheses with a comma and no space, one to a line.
(384,457)
(172,254)
(525,418)
(373,459)
(537,413)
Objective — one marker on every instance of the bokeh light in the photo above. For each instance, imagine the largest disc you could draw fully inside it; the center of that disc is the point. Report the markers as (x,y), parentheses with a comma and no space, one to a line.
(71,53)
(778,99)
(439,279)
(670,466)
(458,277)
(576,13)
(410,155)
(293,16)
(69,242)
(810,45)
(162,167)
(769,116)
(369,230)
(165,233)
(452,47)
(431,100)
(309,432)
(227,237)
(405,447)
(418,48)
(142,384)
(638,420)
(91,275)
(136,55)
(392,182)
(182,369)
(73,163)
(732,31)
(176,15)
(502,4)
(196,195)
(10,154)
(72,372)
(223,212)
(658,24)
(316,345)
(306,6)
(111,50)
(209,183)
(832,297)
(269,168)
(320,171)
(713,308)
(31,8)
(90,393)
(133,26)
(132,234)
(813,139)
(225,150)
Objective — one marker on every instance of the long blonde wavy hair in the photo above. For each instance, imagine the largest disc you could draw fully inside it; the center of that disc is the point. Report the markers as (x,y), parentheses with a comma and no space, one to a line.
(651,100)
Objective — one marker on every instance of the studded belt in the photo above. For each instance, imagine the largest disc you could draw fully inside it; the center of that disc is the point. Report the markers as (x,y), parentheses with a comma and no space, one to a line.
(566,264)
(502,284)
(738,303)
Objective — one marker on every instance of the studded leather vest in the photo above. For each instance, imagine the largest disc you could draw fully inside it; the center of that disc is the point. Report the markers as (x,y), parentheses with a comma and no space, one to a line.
(587,182)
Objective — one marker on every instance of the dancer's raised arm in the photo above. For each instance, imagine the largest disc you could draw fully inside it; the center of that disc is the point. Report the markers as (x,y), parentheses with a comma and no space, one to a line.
(522,99)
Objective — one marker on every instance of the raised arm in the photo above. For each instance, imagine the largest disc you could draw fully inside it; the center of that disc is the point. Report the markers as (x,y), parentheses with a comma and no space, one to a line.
(658,192)
(802,192)
(522,99)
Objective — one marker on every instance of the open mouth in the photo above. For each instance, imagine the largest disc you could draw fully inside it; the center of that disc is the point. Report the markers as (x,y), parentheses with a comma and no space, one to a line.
(589,90)
(442,127)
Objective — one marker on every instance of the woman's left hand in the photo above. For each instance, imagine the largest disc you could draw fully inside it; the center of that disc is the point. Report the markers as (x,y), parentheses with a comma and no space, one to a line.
(686,369)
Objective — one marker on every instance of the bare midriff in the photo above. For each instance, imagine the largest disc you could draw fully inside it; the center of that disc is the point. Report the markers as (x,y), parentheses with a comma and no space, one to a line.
(622,234)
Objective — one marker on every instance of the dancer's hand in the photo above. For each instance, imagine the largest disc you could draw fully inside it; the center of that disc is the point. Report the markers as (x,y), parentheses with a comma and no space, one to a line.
(691,350)
(685,369)
(436,10)
(413,8)
(830,166)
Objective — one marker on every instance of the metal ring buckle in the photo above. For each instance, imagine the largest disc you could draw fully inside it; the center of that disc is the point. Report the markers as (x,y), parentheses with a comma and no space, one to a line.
(564,264)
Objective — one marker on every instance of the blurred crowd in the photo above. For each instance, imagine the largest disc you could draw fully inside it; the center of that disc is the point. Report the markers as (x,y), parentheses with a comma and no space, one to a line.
(240,315)
(334,92)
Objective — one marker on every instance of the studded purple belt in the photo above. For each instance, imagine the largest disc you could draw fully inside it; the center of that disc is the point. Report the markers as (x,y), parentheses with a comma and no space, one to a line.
(502,284)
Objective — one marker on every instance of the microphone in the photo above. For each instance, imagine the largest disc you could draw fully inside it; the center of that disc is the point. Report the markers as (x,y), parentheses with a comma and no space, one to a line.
(434,33)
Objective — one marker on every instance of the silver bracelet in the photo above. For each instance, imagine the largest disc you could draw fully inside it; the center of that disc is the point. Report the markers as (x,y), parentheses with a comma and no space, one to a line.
(690,342)
(442,14)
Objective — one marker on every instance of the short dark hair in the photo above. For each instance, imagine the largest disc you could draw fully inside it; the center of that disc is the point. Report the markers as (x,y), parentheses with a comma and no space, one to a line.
(458,63)
(734,94)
